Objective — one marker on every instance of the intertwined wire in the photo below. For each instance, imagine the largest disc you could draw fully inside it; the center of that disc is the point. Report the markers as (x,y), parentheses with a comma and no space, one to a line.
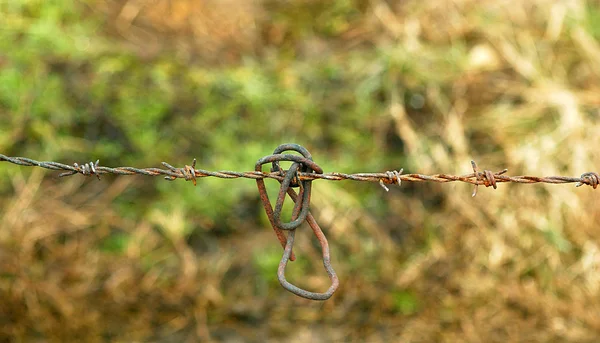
(301,174)
(485,178)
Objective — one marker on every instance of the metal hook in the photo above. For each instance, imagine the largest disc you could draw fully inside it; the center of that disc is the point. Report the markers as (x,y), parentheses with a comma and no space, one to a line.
(326,259)
(306,161)
(304,203)
(300,213)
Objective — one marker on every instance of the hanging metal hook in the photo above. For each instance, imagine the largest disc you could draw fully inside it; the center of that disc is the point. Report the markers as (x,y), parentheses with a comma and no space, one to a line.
(300,213)
(326,259)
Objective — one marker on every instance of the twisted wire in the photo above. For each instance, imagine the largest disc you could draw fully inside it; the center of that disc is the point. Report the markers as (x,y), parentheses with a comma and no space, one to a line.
(191,174)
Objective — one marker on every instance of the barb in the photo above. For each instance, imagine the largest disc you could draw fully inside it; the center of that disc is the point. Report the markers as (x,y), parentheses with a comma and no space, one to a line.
(301,174)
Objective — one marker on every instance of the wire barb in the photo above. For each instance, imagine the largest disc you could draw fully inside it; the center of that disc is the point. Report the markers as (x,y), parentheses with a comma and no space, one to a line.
(486,178)
(392,177)
(188,172)
(591,179)
(87,169)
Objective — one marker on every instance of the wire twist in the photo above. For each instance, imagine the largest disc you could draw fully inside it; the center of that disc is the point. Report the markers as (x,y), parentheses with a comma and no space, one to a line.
(300,213)
(190,173)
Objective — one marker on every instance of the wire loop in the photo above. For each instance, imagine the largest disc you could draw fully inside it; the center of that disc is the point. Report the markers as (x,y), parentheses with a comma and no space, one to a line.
(300,213)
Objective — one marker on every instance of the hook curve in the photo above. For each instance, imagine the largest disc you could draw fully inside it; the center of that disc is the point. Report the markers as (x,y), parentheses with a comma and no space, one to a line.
(326,261)
(300,213)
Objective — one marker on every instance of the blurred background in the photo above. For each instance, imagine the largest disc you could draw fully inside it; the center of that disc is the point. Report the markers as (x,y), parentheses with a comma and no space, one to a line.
(366,86)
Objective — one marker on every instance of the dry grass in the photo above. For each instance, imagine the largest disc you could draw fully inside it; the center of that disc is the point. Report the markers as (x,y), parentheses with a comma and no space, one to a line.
(510,84)
(214,31)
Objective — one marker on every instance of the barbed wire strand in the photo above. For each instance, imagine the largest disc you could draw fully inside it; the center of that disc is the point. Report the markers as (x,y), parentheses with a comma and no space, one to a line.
(190,173)
(301,174)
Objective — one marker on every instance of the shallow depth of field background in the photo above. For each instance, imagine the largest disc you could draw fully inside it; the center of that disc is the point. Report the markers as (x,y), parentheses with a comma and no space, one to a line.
(366,86)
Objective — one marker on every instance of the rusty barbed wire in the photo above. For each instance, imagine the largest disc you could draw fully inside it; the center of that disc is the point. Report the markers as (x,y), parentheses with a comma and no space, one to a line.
(301,174)
(394,177)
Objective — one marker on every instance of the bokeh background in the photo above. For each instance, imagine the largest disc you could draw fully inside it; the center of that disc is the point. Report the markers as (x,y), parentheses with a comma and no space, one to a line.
(366,86)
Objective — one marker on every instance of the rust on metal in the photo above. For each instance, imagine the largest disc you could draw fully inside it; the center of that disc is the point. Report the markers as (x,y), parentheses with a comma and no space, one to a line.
(172,173)
(326,260)
(300,213)
(486,178)
(591,178)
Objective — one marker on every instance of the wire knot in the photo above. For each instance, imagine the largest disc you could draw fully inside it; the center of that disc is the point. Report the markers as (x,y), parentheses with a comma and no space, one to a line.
(590,178)
(487,177)
(300,213)
(189,172)
(87,169)
(393,177)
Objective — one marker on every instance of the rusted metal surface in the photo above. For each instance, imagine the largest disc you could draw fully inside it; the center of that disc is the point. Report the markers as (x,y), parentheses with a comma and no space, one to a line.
(590,178)
(301,173)
(300,213)
(390,178)
(487,177)
(326,260)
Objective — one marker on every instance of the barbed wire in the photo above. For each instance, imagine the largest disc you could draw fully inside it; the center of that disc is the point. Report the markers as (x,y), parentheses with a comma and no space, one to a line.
(190,173)
(301,174)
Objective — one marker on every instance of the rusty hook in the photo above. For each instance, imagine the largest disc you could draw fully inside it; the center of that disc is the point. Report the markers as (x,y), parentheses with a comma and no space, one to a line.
(325,253)
(301,213)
